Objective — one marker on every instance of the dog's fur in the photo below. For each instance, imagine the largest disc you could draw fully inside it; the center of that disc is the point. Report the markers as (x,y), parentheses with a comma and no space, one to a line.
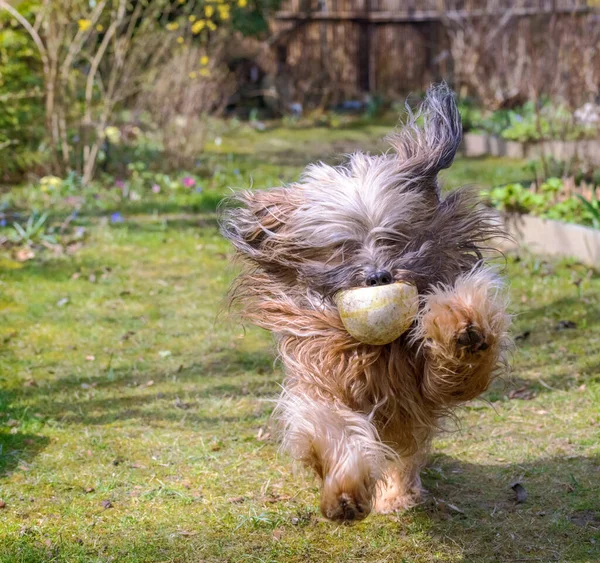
(360,415)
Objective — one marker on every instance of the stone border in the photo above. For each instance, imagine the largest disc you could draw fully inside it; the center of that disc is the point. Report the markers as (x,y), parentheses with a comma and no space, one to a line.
(554,238)
(479,144)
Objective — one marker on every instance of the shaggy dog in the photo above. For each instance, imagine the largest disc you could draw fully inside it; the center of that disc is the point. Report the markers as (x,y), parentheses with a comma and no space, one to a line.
(362,416)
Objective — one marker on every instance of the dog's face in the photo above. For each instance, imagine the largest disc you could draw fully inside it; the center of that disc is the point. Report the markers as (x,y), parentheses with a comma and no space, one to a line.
(376,220)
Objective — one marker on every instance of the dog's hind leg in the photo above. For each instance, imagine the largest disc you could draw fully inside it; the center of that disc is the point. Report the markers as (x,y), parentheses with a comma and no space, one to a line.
(343,448)
(401,489)
(464,330)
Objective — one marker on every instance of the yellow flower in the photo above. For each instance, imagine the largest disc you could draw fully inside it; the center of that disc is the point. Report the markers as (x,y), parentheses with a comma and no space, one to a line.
(203,60)
(192,18)
(180,40)
(198,27)
(204,72)
(113,134)
(208,11)
(182,1)
(242,3)
(192,75)
(49,182)
(84,24)
(100,27)
(211,25)
(172,26)
(224,12)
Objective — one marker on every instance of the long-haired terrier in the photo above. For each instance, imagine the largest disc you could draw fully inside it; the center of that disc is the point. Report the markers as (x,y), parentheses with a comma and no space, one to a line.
(361,408)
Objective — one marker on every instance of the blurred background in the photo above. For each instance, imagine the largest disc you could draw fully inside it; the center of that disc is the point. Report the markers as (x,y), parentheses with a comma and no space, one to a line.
(134,418)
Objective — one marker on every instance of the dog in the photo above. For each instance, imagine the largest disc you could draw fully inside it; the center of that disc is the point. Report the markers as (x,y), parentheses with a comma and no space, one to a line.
(363,415)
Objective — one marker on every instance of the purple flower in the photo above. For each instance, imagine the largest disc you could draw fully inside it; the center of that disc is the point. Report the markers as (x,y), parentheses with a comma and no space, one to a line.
(119,184)
(156,189)
(116,218)
(198,190)
(3,222)
(188,182)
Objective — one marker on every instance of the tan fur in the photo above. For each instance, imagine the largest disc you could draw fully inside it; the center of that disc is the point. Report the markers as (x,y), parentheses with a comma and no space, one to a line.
(345,401)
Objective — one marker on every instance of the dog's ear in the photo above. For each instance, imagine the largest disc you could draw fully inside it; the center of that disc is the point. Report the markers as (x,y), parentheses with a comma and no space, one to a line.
(254,222)
(430,138)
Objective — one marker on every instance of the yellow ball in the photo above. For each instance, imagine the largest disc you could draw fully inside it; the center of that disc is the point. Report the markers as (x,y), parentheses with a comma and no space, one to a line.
(378,315)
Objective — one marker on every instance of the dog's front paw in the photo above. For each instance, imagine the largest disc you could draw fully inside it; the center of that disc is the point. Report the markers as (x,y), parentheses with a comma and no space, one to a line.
(347,495)
(472,339)
(344,507)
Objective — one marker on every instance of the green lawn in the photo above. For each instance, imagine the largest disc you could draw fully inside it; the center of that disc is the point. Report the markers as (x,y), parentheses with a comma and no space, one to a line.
(134,413)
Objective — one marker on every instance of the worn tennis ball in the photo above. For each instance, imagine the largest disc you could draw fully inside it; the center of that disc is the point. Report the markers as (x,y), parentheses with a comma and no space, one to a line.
(378,315)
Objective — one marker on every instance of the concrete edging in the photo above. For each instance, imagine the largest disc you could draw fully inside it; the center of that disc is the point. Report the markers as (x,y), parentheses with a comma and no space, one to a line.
(478,144)
(554,238)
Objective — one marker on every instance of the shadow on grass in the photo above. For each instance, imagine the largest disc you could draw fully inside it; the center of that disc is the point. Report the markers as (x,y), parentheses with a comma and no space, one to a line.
(558,520)
(122,395)
(470,514)
(18,449)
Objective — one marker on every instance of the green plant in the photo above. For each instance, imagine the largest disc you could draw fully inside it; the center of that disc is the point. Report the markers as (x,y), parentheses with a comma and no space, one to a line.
(33,231)
(592,208)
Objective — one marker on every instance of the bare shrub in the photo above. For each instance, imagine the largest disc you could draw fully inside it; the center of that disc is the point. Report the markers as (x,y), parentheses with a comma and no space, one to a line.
(188,87)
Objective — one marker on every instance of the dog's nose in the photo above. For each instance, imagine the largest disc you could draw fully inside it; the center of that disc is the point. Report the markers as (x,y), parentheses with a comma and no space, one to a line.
(382,277)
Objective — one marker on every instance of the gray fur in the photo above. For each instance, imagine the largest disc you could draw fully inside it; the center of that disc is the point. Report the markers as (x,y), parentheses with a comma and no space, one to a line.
(337,224)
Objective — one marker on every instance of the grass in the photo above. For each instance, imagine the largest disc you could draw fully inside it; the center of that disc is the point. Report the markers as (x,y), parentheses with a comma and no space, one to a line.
(134,417)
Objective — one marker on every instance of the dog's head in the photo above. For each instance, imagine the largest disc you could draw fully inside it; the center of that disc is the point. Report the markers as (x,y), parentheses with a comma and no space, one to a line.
(375,220)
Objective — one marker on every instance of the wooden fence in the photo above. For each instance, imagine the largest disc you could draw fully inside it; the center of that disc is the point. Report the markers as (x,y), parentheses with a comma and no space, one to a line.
(336,49)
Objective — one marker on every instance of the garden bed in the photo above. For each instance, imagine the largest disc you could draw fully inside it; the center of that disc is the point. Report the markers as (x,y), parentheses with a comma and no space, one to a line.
(483,144)
(555,238)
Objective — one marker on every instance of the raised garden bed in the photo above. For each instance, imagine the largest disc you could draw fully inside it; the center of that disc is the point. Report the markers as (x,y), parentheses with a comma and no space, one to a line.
(483,144)
(554,238)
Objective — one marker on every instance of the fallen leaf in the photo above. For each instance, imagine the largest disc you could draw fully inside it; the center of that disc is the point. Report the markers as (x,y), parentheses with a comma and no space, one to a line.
(62,302)
(107,504)
(90,358)
(277,534)
(12,423)
(164,353)
(448,507)
(30,383)
(2,504)
(262,435)
(185,533)
(523,336)
(179,404)
(276,498)
(564,325)
(89,490)
(24,254)
(76,276)
(523,393)
(520,492)
(236,500)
